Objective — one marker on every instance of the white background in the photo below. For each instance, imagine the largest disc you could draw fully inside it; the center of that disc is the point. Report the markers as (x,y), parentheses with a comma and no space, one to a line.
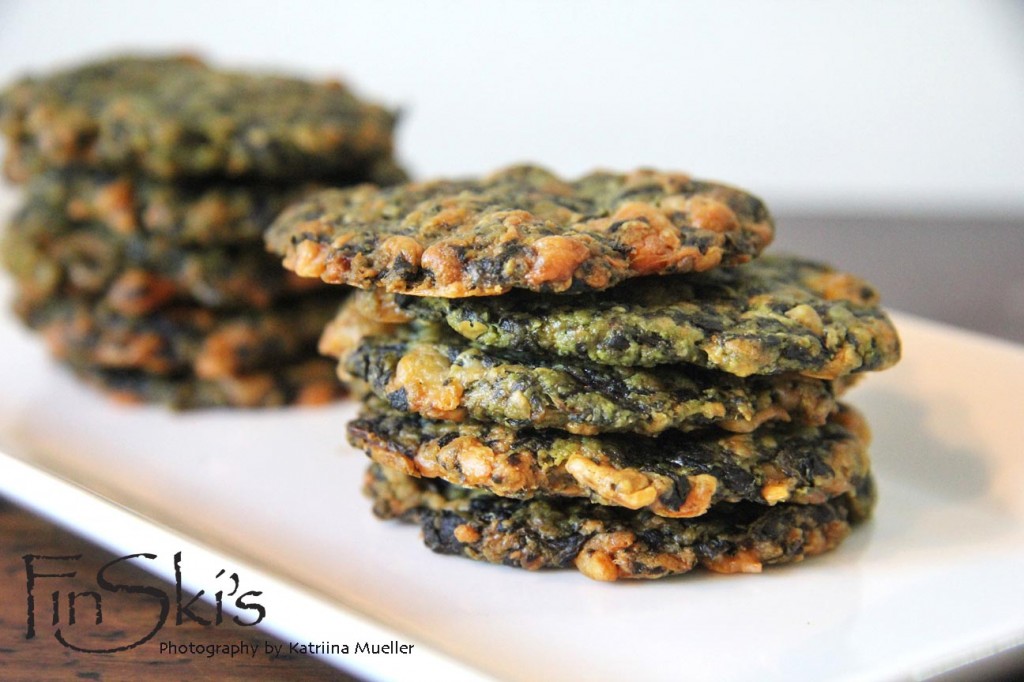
(868,107)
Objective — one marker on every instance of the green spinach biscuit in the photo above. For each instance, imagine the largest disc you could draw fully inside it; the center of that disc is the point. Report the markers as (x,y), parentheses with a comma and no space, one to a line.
(775,315)
(428,369)
(136,276)
(186,213)
(674,475)
(302,382)
(605,543)
(521,227)
(174,117)
(179,338)
(189,214)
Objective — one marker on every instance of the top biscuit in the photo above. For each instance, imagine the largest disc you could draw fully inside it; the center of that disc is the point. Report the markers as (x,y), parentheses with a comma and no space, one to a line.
(522,227)
(174,117)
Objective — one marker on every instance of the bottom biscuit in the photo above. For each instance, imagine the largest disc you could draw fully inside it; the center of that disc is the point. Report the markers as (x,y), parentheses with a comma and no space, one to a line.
(607,543)
(308,382)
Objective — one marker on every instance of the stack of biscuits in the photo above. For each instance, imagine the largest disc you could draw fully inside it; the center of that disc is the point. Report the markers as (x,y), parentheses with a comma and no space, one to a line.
(138,250)
(600,373)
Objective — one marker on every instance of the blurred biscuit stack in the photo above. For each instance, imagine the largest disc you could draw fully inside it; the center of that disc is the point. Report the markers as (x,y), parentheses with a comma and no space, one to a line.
(600,373)
(137,251)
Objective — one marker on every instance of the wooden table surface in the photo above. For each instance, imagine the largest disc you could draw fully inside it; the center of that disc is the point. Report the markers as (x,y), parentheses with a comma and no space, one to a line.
(125,620)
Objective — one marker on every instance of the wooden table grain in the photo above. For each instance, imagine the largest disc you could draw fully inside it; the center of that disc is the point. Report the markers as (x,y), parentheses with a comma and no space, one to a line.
(43,657)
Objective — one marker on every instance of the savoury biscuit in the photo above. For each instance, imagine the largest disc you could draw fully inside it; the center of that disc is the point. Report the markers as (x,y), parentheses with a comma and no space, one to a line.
(135,276)
(301,382)
(428,369)
(174,117)
(675,474)
(179,338)
(522,227)
(189,214)
(606,543)
(185,213)
(775,315)
(364,314)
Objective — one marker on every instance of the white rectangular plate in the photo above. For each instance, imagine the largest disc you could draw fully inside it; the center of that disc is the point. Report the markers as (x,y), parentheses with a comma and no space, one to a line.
(932,582)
